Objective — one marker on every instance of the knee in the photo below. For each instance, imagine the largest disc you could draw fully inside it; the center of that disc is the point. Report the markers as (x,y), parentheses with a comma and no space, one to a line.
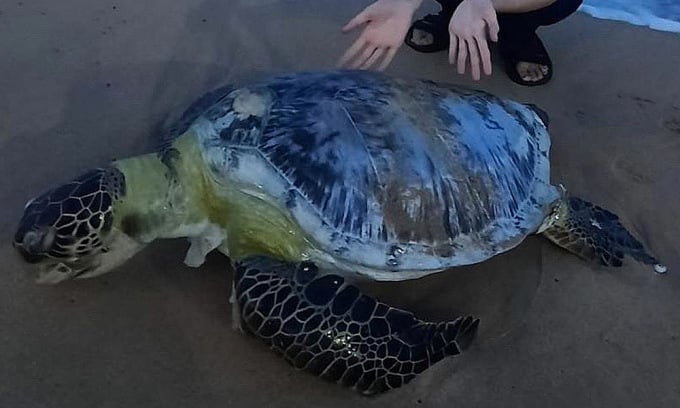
(449,5)
(568,7)
(558,11)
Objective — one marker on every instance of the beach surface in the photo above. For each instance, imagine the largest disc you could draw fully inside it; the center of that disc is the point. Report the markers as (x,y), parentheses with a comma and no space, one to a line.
(85,82)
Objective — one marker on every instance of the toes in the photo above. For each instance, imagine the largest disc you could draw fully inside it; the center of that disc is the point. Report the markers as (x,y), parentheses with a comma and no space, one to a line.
(536,74)
(523,71)
(421,37)
(531,72)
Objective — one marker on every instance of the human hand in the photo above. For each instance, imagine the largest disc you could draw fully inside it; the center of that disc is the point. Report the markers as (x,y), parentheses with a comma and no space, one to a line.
(467,31)
(386,24)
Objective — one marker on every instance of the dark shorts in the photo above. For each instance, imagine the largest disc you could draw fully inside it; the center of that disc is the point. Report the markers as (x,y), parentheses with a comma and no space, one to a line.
(514,25)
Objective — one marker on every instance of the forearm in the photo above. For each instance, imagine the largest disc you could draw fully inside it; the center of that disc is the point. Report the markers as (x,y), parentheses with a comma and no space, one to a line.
(519,6)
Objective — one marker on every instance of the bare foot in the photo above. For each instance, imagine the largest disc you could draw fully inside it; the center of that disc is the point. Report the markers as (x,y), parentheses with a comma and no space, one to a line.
(529,71)
(422,37)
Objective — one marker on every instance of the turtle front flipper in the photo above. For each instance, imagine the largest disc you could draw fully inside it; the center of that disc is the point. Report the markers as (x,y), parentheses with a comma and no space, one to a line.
(212,237)
(327,327)
(596,234)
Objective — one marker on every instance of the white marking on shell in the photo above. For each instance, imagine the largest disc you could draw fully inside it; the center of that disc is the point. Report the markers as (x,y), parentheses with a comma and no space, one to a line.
(224,122)
(249,104)
(658,268)
(595,224)
(412,204)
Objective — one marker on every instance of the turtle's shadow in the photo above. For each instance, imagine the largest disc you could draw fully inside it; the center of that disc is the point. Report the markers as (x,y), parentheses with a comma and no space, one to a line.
(499,291)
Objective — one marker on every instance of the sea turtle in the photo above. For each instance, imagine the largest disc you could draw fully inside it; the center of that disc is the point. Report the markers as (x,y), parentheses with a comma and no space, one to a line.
(311,179)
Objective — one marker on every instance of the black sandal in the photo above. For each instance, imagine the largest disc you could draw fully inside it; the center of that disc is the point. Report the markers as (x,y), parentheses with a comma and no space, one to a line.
(436,25)
(530,50)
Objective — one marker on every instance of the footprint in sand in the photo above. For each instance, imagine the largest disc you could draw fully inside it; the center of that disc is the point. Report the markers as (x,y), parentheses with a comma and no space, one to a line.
(628,169)
(672,124)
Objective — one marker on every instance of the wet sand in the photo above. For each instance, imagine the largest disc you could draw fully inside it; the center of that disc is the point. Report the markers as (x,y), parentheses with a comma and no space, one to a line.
(85,82)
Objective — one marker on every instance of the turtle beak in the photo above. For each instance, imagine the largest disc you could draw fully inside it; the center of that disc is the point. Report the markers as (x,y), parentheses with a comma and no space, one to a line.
(28,256)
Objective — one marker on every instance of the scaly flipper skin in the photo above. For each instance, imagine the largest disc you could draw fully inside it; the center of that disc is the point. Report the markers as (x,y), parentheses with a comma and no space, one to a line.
(596,234)
(325,326)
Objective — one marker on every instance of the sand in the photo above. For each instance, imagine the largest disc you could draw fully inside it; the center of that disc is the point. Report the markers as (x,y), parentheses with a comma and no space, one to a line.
(84,82)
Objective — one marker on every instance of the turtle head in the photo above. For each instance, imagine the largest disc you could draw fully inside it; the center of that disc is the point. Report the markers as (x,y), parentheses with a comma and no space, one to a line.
(68,232)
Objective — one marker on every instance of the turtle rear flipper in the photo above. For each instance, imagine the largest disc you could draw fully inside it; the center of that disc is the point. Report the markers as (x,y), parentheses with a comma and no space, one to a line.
(325,326)
(596,234)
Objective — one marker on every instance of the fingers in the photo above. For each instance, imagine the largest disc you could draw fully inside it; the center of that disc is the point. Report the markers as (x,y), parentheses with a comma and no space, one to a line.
(492,23)
(477,49)
(462,55)
(453,49)
(388,58)
(374,57)
(474,58)
(371,55)
(367,58)
(474,48)
(358,20)
(351,52)
(484,54)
